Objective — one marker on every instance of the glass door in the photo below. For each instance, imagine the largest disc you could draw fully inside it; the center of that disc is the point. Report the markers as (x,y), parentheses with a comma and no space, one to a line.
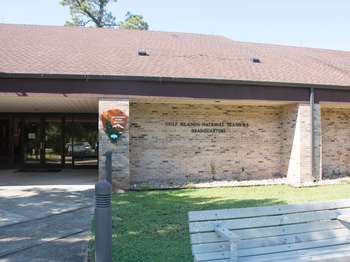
(85,139)
(81,148)
(53,141)
(32,142)
(42,141)
(4,141)
(57,141)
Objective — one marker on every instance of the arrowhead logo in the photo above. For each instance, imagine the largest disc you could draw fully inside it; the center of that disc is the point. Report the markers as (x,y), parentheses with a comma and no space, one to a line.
(114,122)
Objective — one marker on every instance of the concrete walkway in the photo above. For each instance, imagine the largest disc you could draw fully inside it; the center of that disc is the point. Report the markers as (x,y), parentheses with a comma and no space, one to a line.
(46,218)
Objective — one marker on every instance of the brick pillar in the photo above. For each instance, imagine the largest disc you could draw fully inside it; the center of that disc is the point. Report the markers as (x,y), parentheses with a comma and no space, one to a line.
(317,168)
(300,169)
(120,157)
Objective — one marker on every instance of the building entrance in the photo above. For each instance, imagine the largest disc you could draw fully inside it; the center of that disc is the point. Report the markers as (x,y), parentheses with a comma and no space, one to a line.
(42,141)
(49,141)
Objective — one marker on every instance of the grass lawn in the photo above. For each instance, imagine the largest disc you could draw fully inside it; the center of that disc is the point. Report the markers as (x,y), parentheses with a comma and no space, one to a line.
(152,226)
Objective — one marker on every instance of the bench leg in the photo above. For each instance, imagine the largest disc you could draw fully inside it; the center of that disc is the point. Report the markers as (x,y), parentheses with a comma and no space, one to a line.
(233,251)
(231,237)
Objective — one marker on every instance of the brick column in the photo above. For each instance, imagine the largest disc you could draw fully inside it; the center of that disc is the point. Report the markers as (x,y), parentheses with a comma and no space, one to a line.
(317,167)
(302,169)
(120,157)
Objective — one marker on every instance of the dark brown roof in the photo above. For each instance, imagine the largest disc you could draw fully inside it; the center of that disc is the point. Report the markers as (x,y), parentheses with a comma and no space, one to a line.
(26,49)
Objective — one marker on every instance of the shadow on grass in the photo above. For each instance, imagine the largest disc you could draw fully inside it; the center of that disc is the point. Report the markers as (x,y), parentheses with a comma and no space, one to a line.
(152,226)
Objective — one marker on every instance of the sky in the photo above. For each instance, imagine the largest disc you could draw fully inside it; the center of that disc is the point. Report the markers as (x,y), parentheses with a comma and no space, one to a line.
(311,23)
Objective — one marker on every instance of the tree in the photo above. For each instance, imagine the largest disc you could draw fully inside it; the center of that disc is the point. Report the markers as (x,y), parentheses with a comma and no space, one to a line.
(85,12)
(134,22)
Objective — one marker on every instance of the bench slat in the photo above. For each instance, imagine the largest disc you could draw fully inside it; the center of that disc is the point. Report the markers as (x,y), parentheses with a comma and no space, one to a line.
(281,256)
(272,241)
(283,248)
(207,226)
(292,247)
(265,211)
(208,237)
(328,257)
(298,254)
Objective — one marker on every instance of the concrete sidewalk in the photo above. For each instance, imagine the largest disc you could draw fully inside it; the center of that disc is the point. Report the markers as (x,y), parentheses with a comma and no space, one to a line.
(45,222)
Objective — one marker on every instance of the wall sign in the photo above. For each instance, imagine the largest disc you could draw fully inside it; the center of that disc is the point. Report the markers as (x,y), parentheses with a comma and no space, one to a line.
(114,122)
(207,127)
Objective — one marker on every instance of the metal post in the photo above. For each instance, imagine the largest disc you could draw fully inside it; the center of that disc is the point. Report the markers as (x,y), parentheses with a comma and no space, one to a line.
(109,166)
(103,213)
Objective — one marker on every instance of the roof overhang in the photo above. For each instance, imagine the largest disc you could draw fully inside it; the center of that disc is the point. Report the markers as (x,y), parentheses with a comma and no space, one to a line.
(143,86)
(37,103)
(160,79)
(149,87)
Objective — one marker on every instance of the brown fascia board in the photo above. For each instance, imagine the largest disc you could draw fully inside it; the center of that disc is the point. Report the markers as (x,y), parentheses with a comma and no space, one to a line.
(160,79)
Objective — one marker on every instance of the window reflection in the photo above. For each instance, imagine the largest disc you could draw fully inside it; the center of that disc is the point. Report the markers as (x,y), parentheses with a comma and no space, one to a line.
(32,141)
(81,143)
(53,141)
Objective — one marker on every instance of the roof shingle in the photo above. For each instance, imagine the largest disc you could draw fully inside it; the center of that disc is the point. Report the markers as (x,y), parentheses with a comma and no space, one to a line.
(27,49)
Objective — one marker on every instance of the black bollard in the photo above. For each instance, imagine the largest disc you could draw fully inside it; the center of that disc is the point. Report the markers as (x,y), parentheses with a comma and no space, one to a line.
(108,167)
(103,213)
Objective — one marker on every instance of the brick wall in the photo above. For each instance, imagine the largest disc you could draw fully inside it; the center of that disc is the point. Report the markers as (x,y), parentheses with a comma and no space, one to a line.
(335,147)
(173,145)
(164,152)
(288,120)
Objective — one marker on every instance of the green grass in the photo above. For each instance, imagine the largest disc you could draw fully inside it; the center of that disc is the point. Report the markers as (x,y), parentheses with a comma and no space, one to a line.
(152,226)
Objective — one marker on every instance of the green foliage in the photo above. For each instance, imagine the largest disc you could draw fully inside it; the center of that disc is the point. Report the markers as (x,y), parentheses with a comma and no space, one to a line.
(134,22)
(87,12)
(152,226)
(84,12)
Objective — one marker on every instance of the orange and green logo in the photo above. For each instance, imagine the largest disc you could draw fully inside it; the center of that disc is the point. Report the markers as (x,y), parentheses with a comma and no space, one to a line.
(114,122)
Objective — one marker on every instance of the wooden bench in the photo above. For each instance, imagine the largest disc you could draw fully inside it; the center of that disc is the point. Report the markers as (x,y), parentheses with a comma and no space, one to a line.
(307,232)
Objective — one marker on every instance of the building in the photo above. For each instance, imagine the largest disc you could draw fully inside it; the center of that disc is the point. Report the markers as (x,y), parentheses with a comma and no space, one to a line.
(199,108)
